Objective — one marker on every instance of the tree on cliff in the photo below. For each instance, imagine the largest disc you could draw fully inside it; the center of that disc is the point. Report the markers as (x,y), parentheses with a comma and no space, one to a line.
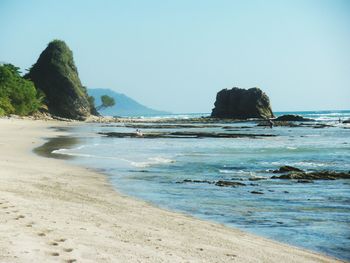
(17,95)
(107,101)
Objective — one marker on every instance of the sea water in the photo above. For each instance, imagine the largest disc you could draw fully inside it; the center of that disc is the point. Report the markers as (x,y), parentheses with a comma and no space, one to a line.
(314,215)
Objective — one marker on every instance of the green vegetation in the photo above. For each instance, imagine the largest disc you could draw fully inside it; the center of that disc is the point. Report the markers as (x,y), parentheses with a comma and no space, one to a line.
(17,95)
(107,101)
(56,74)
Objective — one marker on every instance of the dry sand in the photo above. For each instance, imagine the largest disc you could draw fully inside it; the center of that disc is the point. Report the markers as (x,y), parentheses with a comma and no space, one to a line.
(54,211)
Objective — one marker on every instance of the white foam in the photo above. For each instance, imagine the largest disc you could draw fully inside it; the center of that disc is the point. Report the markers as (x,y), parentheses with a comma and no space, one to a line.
(291,148)
(151,161)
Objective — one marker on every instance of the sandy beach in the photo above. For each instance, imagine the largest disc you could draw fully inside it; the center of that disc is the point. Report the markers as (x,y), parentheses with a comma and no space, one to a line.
(52,211)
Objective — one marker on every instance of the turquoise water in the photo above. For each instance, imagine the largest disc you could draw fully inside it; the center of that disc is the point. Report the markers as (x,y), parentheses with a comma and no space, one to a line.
(315,215)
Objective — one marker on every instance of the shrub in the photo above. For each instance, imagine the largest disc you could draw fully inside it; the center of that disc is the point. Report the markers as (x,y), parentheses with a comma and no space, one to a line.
(17,95)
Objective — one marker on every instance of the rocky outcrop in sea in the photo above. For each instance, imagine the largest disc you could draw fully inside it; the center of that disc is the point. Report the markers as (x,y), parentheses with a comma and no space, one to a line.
(292,117)
(239,103)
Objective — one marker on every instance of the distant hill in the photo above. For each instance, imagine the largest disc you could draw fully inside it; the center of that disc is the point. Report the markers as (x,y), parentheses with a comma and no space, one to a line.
(125,106)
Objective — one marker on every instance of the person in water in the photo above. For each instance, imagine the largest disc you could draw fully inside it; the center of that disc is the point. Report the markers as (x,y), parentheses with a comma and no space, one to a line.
(271,123)
(139,133)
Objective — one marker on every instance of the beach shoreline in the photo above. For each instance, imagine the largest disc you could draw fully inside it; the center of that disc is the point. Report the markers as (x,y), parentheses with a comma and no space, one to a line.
(53,211)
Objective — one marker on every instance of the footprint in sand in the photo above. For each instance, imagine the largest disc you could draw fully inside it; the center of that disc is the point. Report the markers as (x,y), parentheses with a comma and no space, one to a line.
(41,234)
(70,260)
(3,202)
(54,254)
(53,244)
(19,217)
(68,249)
(60,240)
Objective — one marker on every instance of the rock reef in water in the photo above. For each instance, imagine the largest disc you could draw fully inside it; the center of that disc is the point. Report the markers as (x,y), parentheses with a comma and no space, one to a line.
(321,175)
(183,135)
(287,168)
(56,75)
(292,117)
(239,103)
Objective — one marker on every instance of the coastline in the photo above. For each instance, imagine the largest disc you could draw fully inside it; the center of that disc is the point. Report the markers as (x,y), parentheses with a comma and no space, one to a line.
(54,211)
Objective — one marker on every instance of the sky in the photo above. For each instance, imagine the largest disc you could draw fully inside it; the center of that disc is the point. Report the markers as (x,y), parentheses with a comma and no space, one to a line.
(176,55)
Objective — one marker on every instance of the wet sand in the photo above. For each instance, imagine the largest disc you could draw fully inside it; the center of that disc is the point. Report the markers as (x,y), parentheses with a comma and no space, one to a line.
(52,211)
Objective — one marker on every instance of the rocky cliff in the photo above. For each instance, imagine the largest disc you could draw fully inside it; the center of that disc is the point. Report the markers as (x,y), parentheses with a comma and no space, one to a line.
(56,75)
(239,103)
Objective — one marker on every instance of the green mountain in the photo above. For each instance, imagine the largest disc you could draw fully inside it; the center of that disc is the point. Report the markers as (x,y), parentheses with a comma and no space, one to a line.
(125,106)
(56,75)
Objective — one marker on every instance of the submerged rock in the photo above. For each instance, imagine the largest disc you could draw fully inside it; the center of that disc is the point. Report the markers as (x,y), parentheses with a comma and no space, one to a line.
(228,183)
(286,169)
(257,192)
(196,181)
(183,135)
(256,179)
(321,175)
(56,75)
(292,117)
(220,183)
(239,103)
(305,181)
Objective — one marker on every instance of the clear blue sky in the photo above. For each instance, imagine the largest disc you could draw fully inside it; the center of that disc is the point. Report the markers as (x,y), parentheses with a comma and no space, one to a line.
(175,55)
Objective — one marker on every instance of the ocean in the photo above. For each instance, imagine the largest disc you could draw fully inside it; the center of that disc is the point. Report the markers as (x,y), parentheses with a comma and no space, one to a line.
(314,216)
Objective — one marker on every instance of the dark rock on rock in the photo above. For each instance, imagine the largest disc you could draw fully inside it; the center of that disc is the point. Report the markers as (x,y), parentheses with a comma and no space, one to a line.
(257,192)
(196,181)
(286,169)
(256,179)
(304,181)
(239,103)
(56,75)
(228,183)
(292,117)
(322,175)
(321,126)
(266,123)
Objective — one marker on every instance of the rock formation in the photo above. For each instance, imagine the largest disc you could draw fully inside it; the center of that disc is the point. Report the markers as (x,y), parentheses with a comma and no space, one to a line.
(286,169)
(56,75)
(239,103)
(320,175)
(292,117)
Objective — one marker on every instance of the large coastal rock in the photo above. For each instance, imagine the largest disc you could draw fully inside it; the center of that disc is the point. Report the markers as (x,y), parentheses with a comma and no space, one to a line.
(239,103)
(56,75)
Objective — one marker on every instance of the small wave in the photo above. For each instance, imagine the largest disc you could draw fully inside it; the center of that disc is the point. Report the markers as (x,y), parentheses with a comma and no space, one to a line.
(302,164)
(63,152)
(291,148)
(312,164)
(239,172)
(152,161)
(225,171)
